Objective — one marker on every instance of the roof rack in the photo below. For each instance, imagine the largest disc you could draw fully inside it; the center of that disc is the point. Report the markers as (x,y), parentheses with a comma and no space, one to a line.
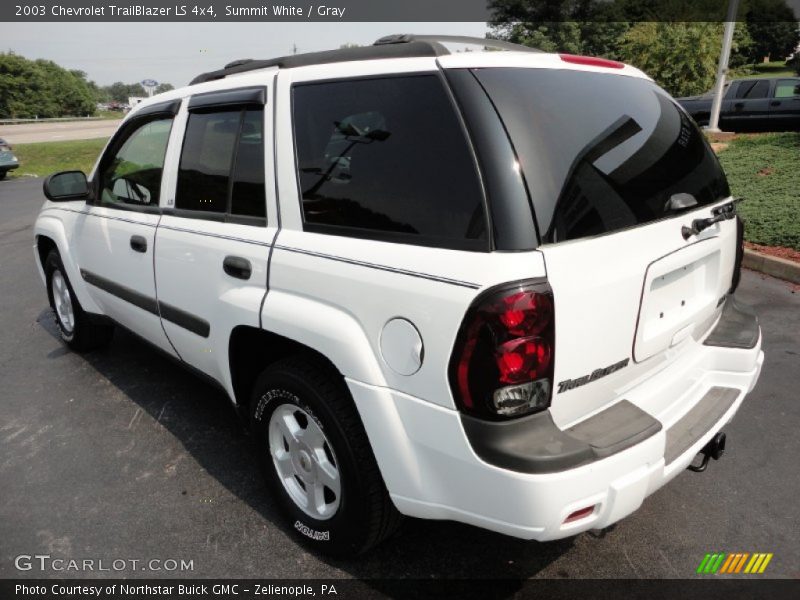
(390,46)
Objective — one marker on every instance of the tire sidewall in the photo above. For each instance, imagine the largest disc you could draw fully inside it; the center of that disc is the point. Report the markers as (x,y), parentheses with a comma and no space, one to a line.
(343,533)
(52,264)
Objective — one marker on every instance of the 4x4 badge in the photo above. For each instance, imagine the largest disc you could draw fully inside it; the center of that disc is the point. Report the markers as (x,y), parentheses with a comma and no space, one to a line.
(569,384)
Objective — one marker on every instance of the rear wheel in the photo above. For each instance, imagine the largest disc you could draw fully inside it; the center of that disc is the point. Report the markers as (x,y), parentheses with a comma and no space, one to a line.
(317,460)
(3,174)
(76,327)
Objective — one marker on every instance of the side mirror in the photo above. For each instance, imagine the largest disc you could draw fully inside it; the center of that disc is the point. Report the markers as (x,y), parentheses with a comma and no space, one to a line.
(65,186)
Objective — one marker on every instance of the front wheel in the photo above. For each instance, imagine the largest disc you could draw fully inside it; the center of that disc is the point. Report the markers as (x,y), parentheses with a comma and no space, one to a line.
(76,327)
(317,460)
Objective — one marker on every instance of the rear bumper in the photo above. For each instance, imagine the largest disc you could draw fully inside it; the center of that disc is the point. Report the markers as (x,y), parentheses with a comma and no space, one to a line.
(527,485)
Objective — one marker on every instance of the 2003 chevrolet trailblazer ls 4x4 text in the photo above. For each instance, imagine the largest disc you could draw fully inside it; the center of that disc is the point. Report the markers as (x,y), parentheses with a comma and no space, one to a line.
(493,287)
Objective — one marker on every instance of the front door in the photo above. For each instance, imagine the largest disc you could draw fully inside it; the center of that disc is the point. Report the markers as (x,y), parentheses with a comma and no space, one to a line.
(115,236)
(784,110)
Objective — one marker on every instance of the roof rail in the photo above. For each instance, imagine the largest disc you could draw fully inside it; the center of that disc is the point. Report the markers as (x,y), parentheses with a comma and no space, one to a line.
(405,38)
(390,46)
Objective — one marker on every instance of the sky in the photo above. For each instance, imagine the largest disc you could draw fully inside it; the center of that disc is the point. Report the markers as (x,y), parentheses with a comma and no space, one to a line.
(176,52)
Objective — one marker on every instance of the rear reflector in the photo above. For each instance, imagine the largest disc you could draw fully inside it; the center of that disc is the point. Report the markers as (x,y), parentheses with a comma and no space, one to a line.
(579,514)
(591,61)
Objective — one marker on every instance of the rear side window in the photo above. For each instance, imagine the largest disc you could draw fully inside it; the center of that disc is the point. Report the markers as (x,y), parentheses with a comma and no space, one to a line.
(601,152)
(222,163)
(751,90)
(387,159)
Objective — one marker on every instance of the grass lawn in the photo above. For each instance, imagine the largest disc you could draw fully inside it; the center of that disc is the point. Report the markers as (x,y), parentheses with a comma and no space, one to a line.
(48,157)
(110,114)
(777,68)
(765,171)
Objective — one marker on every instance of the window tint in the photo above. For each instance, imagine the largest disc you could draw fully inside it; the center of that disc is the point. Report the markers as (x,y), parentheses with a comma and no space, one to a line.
(133,174)
(787,88)
(600,152)
(387,159)
(206,160)
(222,163)
(751,90)
(248,173)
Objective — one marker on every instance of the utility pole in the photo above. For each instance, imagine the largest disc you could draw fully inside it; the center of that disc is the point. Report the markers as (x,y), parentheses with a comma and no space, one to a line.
(722,69)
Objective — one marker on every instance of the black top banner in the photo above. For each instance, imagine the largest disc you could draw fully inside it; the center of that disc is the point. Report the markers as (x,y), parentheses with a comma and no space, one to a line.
(387,10)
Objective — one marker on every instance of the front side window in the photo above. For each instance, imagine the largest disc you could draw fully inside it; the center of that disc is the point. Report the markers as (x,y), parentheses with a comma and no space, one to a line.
(387,159)
(132,176)
(787,88)
(222,163)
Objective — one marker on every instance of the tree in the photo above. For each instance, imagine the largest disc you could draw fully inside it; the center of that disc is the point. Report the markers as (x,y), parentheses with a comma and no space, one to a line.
(40,88)
(774,30)
(120,92)
(681,57)
(164,87)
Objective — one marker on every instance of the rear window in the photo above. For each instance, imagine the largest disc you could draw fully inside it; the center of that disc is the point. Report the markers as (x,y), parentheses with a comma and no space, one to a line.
(601,152)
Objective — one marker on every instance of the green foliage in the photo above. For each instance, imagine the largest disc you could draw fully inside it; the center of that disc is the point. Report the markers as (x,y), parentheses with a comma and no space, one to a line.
(773,27)
(40,88)
(164,87)
(120,92)
(763,170)
(680,54)
(662,51)
(794,63)
(49,157)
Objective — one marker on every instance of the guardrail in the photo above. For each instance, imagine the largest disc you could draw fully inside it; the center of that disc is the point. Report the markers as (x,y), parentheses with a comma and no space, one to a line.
(54,120)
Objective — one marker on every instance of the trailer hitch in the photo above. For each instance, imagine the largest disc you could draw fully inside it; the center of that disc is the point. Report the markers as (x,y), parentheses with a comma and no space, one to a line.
(715,448)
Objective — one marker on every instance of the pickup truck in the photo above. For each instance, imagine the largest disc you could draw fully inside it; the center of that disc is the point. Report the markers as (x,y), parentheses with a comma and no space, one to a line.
(751,104)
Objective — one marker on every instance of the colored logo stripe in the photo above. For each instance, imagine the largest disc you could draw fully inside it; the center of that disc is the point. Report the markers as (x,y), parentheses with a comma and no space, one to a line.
(736,562)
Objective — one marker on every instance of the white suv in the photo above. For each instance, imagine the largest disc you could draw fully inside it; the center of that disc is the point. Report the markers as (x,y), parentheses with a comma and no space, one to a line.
(492,287)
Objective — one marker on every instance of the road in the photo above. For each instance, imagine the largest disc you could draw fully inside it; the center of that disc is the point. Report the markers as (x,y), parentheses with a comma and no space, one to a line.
(58,131)
(122,454)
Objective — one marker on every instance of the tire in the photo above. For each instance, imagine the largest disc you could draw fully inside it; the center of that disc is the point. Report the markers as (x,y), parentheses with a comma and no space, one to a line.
(3,175)
(342,522)
(76,327)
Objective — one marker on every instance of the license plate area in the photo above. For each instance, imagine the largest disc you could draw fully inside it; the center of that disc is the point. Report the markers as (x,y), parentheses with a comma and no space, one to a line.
(680,291)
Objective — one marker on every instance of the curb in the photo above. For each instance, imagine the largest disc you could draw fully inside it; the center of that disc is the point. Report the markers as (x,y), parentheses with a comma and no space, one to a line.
(772,265)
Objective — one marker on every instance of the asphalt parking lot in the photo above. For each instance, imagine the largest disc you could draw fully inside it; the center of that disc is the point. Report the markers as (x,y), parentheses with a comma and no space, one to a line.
(120,454)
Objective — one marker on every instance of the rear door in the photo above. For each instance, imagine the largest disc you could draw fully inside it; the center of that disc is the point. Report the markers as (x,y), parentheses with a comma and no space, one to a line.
(784,110)
(214,239)
(615,169)
(749,108)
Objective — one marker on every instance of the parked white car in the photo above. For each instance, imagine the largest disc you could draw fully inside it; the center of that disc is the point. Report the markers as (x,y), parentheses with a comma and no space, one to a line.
(492,287)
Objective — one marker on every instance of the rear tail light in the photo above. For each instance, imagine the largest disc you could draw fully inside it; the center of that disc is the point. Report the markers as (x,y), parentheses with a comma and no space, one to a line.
(502,363)
(592,61)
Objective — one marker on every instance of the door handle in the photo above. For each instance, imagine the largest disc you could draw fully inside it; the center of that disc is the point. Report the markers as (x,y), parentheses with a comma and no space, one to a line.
(238,267)
(738,105)
(138,243)
(775,103)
